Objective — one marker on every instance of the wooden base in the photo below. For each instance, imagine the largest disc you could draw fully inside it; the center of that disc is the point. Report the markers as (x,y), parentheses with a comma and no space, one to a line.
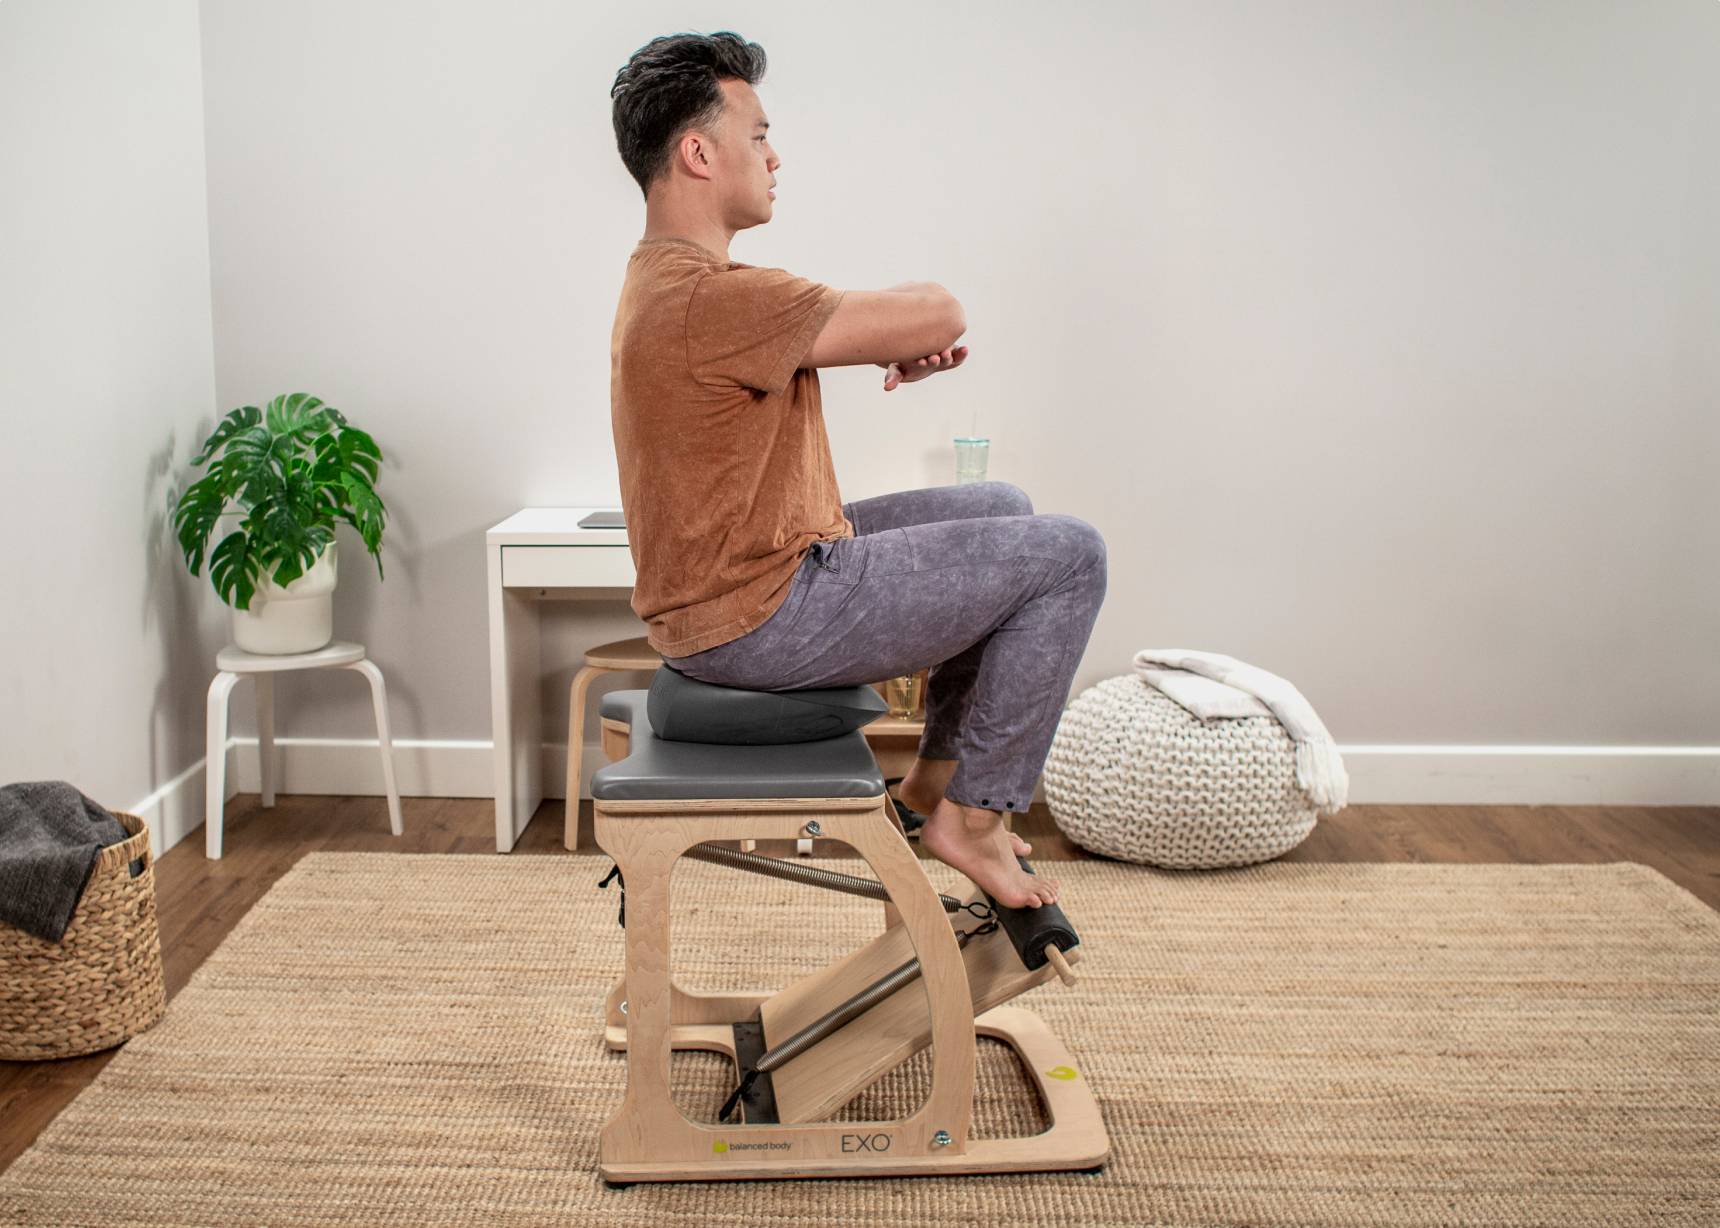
(957,995)
(1075,1140)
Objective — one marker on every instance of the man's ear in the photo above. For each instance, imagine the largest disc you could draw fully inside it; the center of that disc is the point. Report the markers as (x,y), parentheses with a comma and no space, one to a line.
(694,155)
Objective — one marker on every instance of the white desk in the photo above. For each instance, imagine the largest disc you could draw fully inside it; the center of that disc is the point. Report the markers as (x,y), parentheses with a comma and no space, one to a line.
(537,553)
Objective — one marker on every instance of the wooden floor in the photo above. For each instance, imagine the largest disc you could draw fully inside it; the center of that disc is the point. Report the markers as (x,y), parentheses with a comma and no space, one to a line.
(198,901)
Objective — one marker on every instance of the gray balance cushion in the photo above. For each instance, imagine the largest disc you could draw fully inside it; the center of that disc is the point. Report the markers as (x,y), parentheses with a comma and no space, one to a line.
(656,768)
(683,709)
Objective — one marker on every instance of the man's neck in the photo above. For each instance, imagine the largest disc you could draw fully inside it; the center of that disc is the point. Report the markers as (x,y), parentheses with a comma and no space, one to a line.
(665,224)
(715,246)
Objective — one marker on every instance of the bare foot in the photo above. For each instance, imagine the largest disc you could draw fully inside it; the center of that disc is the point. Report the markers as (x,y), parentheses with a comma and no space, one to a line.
(926,803)
(975,842)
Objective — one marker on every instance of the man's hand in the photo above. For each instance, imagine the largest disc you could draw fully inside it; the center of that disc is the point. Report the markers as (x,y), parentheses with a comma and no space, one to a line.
(906,372)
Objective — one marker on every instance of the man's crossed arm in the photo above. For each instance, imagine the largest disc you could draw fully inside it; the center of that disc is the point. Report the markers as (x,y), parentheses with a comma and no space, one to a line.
(910,330)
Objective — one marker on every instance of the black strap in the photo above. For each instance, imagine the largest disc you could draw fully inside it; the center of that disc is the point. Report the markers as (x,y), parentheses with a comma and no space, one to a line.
(744,1086)
(615,873)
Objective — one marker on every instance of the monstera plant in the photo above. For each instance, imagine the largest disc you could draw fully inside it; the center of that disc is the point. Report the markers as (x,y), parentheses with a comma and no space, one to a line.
(295,470)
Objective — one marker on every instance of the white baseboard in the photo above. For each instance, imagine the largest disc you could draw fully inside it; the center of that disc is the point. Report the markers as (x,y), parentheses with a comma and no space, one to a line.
(175,810)
(1400,775)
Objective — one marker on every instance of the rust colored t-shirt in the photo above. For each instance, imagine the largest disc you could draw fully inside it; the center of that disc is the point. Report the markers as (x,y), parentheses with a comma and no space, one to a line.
(726,476)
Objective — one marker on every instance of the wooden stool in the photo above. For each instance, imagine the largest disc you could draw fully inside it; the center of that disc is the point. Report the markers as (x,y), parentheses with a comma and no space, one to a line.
(803,1052)
(233,663)
(633,654)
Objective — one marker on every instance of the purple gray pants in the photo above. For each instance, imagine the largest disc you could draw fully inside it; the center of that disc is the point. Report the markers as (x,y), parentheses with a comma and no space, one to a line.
(997,600)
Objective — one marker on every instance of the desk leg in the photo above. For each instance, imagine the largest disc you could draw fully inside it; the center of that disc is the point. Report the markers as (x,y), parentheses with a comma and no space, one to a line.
(516,720)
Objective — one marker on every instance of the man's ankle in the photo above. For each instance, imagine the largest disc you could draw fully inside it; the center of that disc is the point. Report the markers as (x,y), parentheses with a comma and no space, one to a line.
(930,775)
(976,818)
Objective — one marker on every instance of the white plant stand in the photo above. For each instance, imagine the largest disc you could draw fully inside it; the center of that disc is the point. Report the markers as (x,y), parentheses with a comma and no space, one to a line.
(234,663)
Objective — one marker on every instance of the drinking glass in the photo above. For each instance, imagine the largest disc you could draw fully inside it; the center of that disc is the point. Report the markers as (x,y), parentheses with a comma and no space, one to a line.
(971,452)
(903,694)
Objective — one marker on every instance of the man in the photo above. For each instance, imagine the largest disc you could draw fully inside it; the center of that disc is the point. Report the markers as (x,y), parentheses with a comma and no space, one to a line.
(751,571)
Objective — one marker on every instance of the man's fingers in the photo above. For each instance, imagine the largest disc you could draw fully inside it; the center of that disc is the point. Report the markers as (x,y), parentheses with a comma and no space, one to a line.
(899,372)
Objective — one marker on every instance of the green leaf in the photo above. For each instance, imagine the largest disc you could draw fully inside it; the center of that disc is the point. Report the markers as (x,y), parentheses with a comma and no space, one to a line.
(247,458)
(367,510)
(233,570)
(194,518)
(291,568)
(331,461)
(295,417)
(360,452)
(303,554)
(238,420)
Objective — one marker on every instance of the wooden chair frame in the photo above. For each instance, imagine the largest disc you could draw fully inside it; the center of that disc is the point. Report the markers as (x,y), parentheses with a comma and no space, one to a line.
(959,995)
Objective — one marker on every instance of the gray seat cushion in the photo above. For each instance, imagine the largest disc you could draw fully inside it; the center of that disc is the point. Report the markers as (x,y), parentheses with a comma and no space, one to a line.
(683,709)
(656,768)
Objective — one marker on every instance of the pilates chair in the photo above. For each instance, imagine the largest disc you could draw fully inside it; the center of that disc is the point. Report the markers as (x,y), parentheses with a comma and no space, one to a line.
(708,765)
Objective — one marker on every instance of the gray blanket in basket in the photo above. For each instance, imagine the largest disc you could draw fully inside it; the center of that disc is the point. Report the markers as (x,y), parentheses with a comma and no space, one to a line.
(50,838)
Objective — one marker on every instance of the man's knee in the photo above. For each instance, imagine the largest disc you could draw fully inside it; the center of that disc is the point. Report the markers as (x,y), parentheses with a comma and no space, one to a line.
(1010,500)
(1078,541)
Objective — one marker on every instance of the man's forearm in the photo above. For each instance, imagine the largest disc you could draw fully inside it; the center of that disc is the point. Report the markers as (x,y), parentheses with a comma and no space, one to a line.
(915,287)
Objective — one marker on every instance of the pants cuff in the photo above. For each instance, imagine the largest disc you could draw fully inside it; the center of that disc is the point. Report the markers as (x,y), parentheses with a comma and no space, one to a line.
(1011,799)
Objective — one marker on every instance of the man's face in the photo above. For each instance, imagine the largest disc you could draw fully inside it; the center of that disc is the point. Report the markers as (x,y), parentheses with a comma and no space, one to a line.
(747,163)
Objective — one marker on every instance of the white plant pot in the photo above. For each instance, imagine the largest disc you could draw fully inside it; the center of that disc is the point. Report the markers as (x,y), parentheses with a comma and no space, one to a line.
(297,618)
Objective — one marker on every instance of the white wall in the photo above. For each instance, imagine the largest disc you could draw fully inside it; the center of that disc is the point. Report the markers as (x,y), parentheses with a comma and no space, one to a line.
(106,388)
(1378,339)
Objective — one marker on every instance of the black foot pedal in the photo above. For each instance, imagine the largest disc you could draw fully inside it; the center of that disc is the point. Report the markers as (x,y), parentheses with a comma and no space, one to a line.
(912,820)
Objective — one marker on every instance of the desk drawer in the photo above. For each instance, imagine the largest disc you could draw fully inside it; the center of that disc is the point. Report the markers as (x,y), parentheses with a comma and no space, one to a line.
(567,567)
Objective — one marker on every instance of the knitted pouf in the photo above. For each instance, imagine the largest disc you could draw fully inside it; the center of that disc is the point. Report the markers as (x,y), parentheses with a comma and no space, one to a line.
(1133,774)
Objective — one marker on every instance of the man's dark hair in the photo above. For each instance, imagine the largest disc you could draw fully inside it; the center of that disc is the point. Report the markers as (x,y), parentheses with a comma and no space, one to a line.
(670,85)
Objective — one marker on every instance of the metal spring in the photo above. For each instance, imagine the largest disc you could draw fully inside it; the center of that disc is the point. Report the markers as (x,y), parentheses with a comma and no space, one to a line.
(775,867)
(856,1006)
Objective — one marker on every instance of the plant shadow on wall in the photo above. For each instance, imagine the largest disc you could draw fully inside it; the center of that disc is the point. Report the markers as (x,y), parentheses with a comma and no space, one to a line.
(296,469)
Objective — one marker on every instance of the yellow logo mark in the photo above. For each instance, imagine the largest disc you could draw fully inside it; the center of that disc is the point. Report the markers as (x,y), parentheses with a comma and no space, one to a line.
(1061,1072)
(719,1145)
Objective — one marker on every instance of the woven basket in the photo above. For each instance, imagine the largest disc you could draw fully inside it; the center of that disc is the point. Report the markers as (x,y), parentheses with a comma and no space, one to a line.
(1133,774)
(101,984)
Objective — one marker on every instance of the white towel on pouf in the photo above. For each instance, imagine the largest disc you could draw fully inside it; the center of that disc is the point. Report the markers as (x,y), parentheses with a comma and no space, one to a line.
(1211,686)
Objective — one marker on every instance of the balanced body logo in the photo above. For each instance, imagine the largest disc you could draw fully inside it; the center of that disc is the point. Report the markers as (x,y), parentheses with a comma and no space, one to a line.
(721,1145)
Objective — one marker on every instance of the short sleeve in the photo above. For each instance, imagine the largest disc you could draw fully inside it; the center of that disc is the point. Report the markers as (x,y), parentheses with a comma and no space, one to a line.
(753,326)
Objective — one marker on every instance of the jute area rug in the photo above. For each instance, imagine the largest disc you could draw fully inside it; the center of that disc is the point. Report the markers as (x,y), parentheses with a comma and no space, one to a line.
(415,1039)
